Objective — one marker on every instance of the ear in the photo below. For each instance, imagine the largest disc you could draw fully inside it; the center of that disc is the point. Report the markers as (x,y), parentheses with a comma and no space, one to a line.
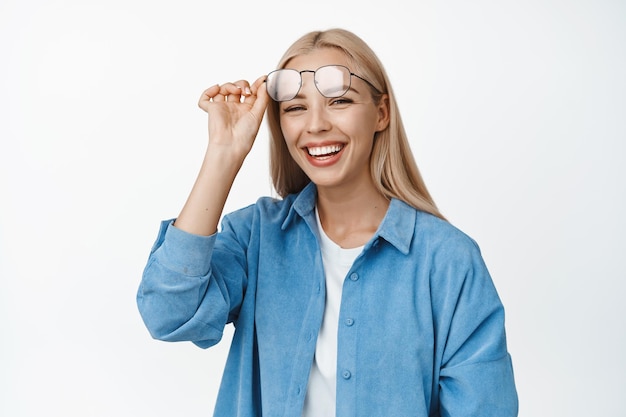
(383,113)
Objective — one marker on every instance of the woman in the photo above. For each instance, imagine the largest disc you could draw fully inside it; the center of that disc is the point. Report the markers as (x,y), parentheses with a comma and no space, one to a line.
(351,295)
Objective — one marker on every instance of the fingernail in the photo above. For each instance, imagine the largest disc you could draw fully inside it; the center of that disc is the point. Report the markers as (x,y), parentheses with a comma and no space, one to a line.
(247,90)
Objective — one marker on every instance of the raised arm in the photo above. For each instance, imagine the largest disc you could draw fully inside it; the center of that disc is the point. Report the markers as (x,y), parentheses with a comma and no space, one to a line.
(181,296)
(235,112)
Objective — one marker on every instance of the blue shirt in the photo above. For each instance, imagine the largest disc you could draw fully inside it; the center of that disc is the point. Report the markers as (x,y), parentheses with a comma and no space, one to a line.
(421,326)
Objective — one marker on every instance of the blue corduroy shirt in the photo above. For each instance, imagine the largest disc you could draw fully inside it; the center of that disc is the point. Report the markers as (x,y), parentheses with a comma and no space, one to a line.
(421,326)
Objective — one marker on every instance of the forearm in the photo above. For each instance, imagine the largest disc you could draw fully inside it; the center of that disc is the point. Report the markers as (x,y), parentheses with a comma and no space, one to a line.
(235,114)
(202,211)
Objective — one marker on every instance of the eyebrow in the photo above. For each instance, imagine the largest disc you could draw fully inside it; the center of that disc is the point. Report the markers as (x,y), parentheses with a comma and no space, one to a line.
(301,96)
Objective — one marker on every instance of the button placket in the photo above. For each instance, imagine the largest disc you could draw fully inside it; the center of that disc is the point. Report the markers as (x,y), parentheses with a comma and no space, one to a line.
(347,337)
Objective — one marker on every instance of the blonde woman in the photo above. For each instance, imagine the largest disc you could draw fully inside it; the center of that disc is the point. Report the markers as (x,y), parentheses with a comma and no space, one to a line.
(351,295)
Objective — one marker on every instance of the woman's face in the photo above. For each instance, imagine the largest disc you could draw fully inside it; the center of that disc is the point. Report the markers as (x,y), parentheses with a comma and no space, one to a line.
(331,139)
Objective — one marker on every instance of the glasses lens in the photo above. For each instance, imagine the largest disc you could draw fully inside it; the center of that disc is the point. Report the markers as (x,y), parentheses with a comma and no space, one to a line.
(332,80)
(283,84)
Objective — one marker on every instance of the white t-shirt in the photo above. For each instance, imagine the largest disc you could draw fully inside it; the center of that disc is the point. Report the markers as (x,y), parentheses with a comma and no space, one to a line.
(321,392)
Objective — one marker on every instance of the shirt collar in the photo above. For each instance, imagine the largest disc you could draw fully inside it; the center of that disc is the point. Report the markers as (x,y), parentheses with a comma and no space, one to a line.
(397,227)
(303,204)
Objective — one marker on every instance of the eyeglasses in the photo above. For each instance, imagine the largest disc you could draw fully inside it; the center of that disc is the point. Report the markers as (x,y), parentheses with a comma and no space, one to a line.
(330,80)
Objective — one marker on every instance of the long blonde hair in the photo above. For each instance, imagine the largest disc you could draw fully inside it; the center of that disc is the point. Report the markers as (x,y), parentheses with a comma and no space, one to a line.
(392,166)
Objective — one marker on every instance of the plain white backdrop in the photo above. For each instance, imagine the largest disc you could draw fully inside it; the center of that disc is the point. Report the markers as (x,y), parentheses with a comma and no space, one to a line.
(516,113)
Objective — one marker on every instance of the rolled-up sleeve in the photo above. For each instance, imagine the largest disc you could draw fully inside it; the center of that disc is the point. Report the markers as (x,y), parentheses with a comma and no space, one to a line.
(179,297)
(476,375)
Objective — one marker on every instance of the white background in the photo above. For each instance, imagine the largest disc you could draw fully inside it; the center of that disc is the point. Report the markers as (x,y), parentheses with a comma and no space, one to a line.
(516,113)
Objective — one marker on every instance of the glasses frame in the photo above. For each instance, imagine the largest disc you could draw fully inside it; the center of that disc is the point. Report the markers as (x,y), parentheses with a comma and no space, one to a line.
(315,81)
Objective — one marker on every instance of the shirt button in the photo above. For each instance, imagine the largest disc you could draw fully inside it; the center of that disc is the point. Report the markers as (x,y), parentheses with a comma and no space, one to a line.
(349,322)
(346,374)
(354,276)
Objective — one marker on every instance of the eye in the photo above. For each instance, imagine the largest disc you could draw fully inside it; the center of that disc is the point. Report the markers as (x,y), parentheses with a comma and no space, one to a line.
(343,100)
(293,108)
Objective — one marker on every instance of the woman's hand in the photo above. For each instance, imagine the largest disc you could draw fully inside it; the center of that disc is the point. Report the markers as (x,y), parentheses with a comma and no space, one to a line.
(235,113)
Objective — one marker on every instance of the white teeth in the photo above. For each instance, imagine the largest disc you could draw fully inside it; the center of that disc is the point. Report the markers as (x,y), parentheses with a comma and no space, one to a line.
(324,150)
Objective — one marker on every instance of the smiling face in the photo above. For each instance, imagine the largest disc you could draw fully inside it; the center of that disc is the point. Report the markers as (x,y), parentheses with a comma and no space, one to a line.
(331,139)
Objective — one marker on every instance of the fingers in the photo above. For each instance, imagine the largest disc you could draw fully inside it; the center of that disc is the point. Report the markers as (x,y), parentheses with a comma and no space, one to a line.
(207,96)
(237,92)
(233,91)
(242,91)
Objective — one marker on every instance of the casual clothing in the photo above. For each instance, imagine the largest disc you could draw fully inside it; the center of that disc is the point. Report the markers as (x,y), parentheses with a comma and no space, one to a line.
(421,326)
(337,261)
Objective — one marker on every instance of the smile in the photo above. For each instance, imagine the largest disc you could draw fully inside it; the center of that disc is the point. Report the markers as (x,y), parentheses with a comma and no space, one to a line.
(324,151)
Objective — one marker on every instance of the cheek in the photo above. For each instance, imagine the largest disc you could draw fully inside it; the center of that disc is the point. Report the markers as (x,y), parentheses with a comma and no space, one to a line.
(360,126)
(359,118)
(372,123)
(289,132)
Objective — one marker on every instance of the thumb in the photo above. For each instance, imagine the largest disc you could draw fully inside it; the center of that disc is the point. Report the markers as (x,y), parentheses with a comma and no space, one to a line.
(262,99)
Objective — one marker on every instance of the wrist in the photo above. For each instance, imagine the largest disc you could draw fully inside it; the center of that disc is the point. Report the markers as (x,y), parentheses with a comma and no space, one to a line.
(224,156)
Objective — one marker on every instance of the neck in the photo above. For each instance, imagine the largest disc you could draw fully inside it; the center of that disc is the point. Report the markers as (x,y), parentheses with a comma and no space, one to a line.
(351,217)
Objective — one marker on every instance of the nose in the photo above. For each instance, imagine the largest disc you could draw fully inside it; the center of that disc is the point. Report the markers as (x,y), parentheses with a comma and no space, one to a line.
(317,117)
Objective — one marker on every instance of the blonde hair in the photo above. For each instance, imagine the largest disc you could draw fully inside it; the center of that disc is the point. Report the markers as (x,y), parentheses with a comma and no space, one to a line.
(392,166)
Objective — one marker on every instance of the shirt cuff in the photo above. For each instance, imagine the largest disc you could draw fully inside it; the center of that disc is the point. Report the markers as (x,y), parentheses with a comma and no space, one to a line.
(184,252)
